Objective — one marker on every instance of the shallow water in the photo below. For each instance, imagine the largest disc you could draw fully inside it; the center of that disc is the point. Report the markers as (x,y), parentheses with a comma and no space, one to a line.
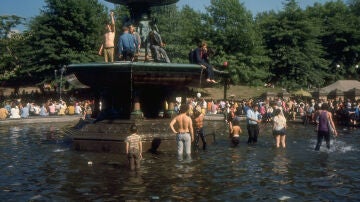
(37,164)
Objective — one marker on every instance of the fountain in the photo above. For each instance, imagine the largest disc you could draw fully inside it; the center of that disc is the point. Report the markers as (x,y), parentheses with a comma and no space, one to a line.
(134,92)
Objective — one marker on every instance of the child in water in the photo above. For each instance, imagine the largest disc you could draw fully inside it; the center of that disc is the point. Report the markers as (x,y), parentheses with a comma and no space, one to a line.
(235,130)
(134,148)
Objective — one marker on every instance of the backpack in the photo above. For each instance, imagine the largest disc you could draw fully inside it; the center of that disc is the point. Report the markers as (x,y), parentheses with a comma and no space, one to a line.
(192,56)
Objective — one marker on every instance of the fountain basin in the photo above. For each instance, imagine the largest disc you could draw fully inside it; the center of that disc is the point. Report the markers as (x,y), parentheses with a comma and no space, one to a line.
(114,74)
(121,88)
(109,136)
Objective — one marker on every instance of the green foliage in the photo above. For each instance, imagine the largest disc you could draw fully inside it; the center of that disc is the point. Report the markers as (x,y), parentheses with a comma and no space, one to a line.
(8,22)
(11,54)
(181,30)
(291,48)
(67,31)
(294,47)
(340,37)
(236,38)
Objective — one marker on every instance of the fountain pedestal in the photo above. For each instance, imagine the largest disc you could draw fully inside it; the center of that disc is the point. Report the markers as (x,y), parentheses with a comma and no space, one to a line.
(134,93)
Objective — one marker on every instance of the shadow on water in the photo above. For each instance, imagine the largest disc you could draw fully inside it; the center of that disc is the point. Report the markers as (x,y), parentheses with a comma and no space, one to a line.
(37,164)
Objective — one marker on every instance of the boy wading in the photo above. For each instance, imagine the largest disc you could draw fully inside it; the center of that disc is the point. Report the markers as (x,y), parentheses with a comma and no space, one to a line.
(134,148)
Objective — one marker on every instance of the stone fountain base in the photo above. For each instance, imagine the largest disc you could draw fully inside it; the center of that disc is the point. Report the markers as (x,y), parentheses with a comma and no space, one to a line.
(109,135)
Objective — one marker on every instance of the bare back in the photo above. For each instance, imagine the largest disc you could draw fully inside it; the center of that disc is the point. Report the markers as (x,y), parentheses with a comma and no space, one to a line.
(236,130)
(184,123)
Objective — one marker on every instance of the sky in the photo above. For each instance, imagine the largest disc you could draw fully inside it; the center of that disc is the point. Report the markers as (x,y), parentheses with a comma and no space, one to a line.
(31,8)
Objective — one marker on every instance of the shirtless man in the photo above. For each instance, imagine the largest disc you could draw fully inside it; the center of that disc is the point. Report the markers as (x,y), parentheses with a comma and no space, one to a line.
(183,132)
(235,130)
(107,47)
(199,127)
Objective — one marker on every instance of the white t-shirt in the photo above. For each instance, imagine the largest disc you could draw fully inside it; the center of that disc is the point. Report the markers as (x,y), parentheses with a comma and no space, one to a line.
(279,122)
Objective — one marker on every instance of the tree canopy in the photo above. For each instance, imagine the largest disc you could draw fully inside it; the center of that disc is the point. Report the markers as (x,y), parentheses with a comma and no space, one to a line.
(292,48)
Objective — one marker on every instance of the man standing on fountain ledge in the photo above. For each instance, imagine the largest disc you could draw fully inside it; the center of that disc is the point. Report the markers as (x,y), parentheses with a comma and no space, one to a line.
(185,129)
(127,45)
(107,47)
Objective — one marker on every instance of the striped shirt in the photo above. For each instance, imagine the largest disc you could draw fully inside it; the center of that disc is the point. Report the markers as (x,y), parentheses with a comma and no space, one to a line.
(133,141)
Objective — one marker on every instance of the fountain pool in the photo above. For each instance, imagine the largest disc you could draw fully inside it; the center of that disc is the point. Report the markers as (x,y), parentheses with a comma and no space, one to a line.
(38,164)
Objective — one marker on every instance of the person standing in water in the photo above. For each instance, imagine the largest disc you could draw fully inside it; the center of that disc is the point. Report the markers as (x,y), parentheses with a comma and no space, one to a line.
(235,130)
(199,128)
(325,125)
(279,128)
(133,148)
(253,120)
(183,132)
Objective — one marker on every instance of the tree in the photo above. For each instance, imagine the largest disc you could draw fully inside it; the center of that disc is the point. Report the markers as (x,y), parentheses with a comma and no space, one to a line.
(7,23)
(237,39)
(10,47)
(294,47)
(341,38)
(180,29)
(67,31)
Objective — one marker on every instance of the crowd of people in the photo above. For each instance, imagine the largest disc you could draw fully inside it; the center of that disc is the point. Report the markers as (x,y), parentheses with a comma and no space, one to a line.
(322,115)
(345,113)
(17,109)
(189,123)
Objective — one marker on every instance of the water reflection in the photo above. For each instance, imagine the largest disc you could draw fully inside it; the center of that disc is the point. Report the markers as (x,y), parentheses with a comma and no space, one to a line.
(36,163)
(280,162)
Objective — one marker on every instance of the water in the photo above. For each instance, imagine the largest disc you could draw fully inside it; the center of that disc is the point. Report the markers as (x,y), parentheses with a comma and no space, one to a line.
(37,164)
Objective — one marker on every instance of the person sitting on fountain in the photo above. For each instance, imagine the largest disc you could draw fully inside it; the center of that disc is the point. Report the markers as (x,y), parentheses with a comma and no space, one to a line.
(127,45)
(156,47)
(201,58)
